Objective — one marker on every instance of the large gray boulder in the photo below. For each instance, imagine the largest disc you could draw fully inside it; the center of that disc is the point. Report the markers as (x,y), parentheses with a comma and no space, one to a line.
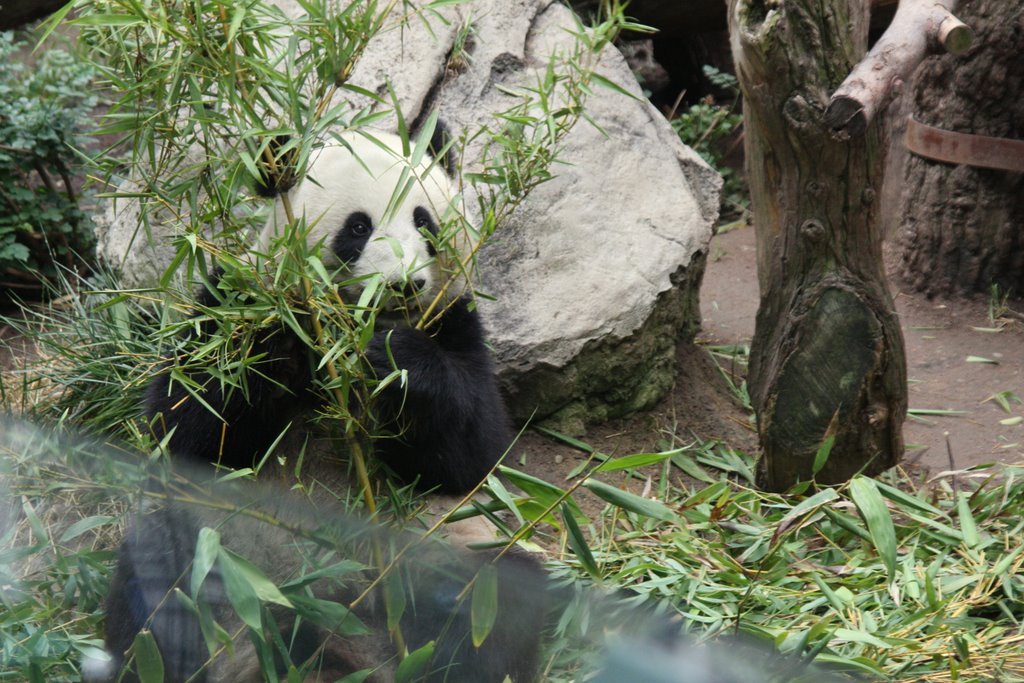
(596,274)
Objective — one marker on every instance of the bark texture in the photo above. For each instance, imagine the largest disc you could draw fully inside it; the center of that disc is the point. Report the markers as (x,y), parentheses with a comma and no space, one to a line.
(827,342)
(961,229)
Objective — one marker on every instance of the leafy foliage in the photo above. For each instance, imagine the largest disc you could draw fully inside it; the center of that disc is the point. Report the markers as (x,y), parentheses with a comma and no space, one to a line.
(43,115)
(888,579)
(704,126)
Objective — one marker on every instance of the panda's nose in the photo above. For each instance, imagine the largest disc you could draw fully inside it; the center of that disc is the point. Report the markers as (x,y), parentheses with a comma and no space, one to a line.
(413,287)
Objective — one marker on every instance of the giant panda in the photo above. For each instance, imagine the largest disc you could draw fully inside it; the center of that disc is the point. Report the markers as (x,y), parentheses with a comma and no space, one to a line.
(448,428)
(450,421)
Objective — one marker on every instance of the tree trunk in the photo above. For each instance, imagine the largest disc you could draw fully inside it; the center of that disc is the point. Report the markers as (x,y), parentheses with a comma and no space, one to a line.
(958,228)
(827,347)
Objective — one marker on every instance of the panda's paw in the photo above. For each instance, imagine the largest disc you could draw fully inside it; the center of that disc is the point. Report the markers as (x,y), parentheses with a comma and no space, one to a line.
(397,347)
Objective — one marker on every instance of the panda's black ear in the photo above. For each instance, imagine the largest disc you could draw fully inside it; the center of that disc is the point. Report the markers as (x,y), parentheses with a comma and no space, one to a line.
(282,178)
(441,149)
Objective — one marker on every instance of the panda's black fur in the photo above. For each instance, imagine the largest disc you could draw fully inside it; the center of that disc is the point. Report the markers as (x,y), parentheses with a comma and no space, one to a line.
(449,428)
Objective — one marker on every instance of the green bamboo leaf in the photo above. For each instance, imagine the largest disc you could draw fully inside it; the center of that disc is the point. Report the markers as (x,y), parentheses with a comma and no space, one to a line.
(483,611)
(805,507)
(106,20)
(688,464)
(1000,567)
(876,515)
(148,663)
(423,139)
(83,525)
(415,664)
(38,528)
(630,501)
(544,493)
(968,527)
(329,614)
(207,549)
(318,268)
(706,494)
(236,20)
(394,599)
(611,85)
(833,599)
(566,439)
(499,491)
(579,544)
(861,664)
(907,500)
(637,460)
(852,636)
(825,449)
(240,590)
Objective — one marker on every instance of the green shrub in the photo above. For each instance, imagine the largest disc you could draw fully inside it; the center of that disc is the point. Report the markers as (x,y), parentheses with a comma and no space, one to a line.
(43,113)
(705,125)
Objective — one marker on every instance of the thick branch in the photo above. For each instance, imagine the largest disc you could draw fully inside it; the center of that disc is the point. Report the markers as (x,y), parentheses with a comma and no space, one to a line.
(919,28)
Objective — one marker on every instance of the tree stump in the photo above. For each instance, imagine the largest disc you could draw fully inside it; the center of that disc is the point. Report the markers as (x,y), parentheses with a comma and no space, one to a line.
(827,354)
(961,229)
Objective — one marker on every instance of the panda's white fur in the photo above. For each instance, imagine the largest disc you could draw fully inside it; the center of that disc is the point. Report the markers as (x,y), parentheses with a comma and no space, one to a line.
(375,174)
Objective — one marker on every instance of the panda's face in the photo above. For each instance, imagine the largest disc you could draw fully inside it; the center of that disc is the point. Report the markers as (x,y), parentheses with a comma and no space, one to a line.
(356,205)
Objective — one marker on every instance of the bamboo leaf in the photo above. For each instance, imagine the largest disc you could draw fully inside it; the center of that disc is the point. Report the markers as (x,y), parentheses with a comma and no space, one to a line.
(83,525)
(415,664)
(968,527)
(240,592)
(630,501)
(148,662)
(825,449)
(207,549)
(394,599)
(611,85)
(578,543)
(484,608)
(631,461)
(879,522)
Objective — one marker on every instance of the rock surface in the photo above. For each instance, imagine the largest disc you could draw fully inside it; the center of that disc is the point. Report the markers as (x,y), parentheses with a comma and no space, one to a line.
(596,275)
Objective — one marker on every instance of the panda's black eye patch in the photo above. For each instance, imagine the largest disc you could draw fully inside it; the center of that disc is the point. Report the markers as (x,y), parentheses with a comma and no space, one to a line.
(348,243)
(358,224)
(423,220)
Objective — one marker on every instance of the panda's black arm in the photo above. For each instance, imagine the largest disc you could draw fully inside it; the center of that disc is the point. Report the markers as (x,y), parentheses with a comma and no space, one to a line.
(220,423)
(450,420)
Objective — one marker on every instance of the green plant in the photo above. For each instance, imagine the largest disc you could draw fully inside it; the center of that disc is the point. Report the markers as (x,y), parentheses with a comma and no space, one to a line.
(705,124)
(888,578)
(43,115)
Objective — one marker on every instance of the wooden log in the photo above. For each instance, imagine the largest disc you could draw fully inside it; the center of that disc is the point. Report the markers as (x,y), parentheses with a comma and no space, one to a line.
(827,348)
